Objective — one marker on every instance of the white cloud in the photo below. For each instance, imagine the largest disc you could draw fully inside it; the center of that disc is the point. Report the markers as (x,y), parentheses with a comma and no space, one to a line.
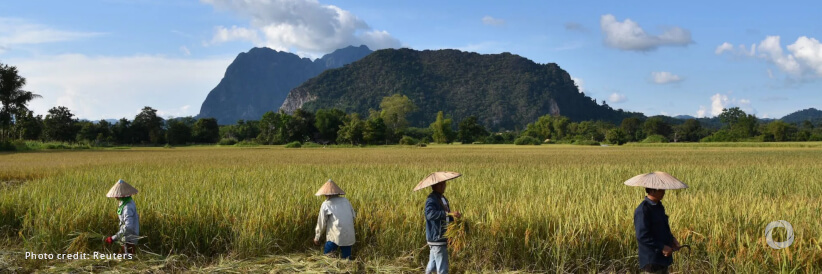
(664,77)
(718,102)
(809,52)
(16,32)
(804,57)
(303,26)
(722,101)
(580,84)
(617,98)
(701,112)
(491,21)
(628,35)
(185,50)
(96,87)
(723,48)
(223,34)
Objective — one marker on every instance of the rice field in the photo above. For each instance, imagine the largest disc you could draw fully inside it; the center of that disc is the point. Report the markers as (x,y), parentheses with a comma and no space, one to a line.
(550,208)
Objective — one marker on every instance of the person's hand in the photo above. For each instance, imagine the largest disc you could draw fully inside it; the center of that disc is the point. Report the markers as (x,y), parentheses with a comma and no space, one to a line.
(108,240)
(316,242)
(667,250)
(457,214)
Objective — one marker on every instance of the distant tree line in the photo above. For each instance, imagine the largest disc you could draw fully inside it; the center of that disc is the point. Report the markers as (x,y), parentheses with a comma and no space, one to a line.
(387,125)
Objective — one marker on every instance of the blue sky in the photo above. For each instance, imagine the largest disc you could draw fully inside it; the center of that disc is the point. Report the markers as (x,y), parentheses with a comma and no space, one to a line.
(108,59)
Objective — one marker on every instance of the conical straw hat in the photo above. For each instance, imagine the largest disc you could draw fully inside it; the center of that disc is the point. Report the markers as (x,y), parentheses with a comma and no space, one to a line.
(435,178)
(330,188)
(121,189)
(656,180)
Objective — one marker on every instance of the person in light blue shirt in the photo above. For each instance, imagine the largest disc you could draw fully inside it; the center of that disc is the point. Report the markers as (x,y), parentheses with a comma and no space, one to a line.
(129,228)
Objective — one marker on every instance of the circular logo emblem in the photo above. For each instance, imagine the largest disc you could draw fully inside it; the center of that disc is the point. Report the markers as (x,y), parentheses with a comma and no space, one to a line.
(769,234)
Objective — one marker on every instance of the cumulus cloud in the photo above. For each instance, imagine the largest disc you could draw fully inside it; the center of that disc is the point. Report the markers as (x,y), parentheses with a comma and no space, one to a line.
(802,59)
(491,21)
(809,52)
(97,87)
(701,112)
(304,26)
(664,77)
(617,98)
(722,101)
(723,48)
(16,32)
(628,35)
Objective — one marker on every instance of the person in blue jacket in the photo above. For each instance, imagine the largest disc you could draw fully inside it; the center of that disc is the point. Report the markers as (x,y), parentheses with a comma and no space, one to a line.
(437,215)
(653,234)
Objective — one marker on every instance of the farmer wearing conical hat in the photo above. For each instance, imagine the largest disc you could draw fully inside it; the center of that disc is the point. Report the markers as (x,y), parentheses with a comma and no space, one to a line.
(437,215)
(336,219)
(129,219)
(653,233)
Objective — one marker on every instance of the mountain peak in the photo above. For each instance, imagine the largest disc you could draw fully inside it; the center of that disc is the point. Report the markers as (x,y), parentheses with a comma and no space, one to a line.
(258,81)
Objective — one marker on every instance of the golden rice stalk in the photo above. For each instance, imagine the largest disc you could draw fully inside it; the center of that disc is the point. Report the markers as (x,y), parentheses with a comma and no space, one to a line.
(457,233)
(81,241)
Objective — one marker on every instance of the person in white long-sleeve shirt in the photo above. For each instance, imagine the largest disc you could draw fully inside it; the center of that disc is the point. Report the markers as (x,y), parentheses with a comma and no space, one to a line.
(336,220)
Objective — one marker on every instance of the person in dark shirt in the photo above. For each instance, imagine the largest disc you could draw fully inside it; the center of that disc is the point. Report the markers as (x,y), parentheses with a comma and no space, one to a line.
(653,234)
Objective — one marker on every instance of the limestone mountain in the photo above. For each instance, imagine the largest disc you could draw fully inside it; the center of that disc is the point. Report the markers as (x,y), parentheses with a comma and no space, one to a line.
(505,91)
(258,81)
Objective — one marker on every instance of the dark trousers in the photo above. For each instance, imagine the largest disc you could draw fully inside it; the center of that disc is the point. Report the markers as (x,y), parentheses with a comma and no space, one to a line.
(331,246)
(655,268)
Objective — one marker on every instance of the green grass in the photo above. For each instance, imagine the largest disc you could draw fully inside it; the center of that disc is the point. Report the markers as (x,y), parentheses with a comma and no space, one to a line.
(551,208)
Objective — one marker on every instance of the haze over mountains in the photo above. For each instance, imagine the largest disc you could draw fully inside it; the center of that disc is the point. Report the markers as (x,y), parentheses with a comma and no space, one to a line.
(505,91)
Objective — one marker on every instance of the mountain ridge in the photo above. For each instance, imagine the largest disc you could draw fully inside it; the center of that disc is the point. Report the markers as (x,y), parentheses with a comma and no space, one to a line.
(259,80)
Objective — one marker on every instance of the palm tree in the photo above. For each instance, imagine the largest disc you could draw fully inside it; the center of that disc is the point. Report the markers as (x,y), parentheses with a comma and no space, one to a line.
(13,98)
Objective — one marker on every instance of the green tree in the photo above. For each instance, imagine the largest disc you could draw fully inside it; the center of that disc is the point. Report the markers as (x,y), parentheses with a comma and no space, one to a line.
(616,136)
(656,126)
(561,127)
(301,128)
(470,130)
(375,130)
(60,125)
(205,130)
(632,126)
(441,129)
(780,131)
(29,126)
(352,130)
(730,116)
(328,123)
(122,132)
(542,129)
(272,128)
(394,111)
(13,98)
(690,131)
(246,130)
(178,132)
(148,127)
(88,131)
